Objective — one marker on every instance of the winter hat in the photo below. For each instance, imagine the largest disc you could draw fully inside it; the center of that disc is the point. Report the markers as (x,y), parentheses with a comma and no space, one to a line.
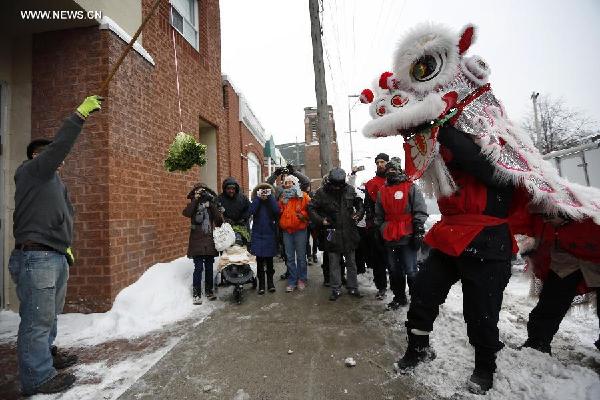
(382,156)
(295,185)
(394,164)
(337,176)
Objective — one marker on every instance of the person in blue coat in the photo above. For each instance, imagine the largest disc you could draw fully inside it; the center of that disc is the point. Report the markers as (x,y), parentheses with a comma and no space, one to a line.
(265,215)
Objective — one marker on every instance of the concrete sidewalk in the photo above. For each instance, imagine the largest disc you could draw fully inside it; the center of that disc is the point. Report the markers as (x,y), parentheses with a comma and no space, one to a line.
(241,351)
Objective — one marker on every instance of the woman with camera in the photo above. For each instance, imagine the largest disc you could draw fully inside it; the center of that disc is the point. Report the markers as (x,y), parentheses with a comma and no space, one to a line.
(205,216)
(265,216)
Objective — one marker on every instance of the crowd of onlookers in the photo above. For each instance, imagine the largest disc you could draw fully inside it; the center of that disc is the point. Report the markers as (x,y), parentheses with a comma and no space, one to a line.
(378,225)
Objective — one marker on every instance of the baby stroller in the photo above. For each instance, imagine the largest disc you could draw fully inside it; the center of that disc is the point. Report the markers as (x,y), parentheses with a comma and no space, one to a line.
(237,267)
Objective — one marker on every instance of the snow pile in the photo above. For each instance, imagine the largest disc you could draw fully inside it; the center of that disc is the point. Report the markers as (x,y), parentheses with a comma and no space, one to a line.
(161,296)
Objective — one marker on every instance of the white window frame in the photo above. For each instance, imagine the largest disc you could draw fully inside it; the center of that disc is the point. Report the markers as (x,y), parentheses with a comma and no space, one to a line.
(193,25)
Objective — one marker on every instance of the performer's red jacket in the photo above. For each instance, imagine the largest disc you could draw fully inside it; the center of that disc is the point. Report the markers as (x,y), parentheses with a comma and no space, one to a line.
(474,219)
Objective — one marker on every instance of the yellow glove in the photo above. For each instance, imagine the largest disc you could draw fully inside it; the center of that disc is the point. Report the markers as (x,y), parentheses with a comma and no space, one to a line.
(70,256)
(89,105)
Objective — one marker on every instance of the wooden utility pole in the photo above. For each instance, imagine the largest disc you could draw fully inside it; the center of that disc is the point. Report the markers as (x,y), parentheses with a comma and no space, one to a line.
(536,121)
(320,89)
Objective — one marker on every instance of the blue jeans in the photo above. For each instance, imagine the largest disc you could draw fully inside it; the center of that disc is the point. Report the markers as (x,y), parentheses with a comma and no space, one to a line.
(41,279)
(295,252)
(203,263)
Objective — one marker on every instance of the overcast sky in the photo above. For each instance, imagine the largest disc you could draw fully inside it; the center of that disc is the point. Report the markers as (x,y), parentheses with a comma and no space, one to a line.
(550,46)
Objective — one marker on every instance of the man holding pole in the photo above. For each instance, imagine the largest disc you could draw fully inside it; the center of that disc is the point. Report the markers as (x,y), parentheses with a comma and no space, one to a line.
(39,264)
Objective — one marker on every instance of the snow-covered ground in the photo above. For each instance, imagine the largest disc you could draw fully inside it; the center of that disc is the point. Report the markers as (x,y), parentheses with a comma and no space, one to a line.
(571,373)
(161,297)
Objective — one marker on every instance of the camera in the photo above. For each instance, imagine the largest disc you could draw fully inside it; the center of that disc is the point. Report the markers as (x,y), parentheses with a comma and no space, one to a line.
(264,192)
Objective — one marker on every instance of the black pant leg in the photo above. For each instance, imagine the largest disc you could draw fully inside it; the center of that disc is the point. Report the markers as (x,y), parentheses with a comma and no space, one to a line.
(378,255)
(397,275)
(325,266)
(260,272)
(554,302)
(483,284)
(431,288)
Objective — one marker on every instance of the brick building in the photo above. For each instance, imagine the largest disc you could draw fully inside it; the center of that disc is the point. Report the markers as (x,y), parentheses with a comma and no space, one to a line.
(307,155)
(128,208)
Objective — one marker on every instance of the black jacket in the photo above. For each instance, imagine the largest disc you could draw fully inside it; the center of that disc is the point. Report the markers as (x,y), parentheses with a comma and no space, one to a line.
(43,212)
(338,207)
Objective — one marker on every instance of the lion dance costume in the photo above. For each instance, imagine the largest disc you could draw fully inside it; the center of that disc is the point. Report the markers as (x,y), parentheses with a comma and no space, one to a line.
(485,173)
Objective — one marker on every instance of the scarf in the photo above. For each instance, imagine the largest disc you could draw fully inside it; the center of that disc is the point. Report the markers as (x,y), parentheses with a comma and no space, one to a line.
(202,218)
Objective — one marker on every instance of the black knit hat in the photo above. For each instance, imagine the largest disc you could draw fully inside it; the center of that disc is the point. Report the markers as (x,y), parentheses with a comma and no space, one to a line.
(382,156)
(393,164)
(36,145)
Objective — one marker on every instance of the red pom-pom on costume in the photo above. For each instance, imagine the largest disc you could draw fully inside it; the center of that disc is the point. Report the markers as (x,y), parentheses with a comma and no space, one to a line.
(366,96)
(384,80)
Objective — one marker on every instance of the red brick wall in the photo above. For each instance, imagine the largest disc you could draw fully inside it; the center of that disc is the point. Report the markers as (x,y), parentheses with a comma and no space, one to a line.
(66,67)
(234,149)
(239,139)
(128,207)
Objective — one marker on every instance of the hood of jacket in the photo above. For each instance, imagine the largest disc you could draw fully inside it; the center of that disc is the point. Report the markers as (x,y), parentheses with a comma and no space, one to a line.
(230,181)
(262,185)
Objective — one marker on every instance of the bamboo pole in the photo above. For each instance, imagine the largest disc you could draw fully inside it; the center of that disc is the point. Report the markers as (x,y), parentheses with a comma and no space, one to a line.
(115,67)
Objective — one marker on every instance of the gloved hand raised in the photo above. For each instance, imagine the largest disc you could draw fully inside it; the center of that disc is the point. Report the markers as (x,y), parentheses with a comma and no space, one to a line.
(89,105)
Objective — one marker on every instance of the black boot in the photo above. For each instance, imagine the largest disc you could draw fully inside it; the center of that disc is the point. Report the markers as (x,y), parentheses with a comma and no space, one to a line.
(197,295)
(538,345)
(260,273)
(482,378)
(335,293)
(418,350)
(59,383)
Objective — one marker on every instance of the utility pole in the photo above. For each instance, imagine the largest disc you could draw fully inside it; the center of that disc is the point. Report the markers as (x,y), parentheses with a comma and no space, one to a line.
(534,96)
(350,129)
(297,155)
(320,89)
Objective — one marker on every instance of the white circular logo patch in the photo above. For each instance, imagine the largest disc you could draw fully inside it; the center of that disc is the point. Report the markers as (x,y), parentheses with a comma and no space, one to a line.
(398,195)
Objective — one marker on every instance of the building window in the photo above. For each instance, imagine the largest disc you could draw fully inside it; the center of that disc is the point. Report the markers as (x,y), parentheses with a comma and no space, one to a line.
(253,172)
(184,18)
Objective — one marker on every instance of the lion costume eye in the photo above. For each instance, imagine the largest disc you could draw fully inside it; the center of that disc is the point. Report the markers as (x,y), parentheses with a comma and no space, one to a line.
(427,67)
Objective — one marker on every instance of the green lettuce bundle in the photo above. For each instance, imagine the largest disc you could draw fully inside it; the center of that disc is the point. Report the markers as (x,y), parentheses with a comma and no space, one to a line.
(184,153)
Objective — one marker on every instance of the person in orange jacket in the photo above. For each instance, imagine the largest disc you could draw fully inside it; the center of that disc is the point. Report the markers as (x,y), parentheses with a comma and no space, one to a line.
(293,222)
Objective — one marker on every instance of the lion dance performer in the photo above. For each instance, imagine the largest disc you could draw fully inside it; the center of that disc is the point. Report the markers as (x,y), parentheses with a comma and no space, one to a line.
(464,150)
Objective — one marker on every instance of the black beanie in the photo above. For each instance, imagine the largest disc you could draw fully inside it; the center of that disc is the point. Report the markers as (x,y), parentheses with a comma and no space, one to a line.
(382,156)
